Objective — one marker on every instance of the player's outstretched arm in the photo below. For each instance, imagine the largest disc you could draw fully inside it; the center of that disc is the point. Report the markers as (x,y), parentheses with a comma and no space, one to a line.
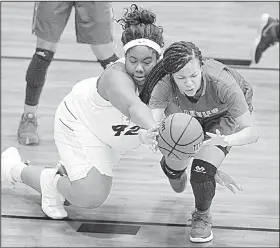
(247,135)
(120,91)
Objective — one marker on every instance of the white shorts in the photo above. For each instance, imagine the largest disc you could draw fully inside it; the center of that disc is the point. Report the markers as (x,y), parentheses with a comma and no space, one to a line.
(79,148)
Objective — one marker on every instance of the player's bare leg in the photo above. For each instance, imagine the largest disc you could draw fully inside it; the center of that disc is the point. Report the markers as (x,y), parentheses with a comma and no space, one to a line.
(55,188)
(105,53)
(175,170)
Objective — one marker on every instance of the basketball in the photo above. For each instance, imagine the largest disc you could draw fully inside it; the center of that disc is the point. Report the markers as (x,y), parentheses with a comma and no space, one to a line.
(180,136)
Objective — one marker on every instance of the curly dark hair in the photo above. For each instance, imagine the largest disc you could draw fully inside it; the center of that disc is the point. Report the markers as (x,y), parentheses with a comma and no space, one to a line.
(175,57)
(139,23)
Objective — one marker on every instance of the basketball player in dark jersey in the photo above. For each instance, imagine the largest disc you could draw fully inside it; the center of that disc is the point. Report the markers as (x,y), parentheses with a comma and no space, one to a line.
(221,100)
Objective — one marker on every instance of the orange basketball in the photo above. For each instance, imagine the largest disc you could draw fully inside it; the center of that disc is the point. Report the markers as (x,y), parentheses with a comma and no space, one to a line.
(180,136)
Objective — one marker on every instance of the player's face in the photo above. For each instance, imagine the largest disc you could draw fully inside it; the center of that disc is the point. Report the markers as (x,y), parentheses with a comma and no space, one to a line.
(139,61)
(188,79)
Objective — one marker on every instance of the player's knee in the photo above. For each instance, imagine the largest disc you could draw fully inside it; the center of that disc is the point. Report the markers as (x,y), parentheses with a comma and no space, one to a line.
(169,172)
(91,198)
(47,45)
(37,69)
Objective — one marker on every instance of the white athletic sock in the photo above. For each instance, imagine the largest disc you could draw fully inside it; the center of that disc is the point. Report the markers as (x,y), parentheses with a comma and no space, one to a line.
(30,109)
(16,172)
(55,181)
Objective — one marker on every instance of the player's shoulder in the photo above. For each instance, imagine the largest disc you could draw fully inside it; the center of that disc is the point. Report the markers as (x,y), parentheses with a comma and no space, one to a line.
(165,81)
(212,69)
(117,66)
(163,87)
(115,78)
(162,92)
(115,72)
(217,73)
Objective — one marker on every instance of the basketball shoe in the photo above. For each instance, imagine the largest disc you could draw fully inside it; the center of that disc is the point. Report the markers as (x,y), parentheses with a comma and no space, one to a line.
(201,227)
(266,36)
(52,201)
(11,166)
(27,131)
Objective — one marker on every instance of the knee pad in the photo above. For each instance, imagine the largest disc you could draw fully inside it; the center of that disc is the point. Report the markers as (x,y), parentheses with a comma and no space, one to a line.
(106,62)
(36,74)
(203,183)
(37,69)
(202,171)
(170,173)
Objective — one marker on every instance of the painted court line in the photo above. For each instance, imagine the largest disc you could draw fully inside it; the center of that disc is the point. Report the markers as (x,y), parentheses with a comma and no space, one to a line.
(234,63)
(134,223)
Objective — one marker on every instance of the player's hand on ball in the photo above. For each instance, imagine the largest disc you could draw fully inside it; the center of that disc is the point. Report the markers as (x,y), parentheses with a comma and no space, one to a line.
(151,138)
(228,181)
(216,139)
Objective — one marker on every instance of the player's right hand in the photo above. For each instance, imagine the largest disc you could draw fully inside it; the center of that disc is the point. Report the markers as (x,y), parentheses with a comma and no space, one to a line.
(152,136)
(149,137)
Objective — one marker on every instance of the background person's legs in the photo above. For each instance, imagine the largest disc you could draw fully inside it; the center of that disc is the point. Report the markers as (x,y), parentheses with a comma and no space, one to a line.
(49,21)
(268,35)
(94,26)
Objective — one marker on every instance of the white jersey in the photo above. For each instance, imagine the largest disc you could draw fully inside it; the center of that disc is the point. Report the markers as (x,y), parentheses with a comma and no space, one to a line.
(101,117)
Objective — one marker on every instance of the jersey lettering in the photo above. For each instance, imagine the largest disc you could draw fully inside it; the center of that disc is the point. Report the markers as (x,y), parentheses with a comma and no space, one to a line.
(132,131)
(200,114)
(118,129)
(121,128)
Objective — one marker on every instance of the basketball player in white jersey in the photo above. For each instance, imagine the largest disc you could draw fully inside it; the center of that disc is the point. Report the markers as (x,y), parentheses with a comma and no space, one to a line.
(96,123)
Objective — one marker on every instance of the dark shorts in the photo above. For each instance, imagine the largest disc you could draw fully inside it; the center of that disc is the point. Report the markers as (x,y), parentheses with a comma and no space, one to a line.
(93,21)
(223,122)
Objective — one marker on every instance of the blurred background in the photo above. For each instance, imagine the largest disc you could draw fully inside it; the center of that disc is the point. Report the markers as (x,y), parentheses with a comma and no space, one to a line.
(141,192)
(220,29)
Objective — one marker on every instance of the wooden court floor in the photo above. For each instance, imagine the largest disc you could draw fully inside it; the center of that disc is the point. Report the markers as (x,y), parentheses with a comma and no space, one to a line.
(142,210)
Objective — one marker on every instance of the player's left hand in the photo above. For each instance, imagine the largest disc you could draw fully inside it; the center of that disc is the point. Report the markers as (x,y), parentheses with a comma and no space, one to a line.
(216,139)
(228,181)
